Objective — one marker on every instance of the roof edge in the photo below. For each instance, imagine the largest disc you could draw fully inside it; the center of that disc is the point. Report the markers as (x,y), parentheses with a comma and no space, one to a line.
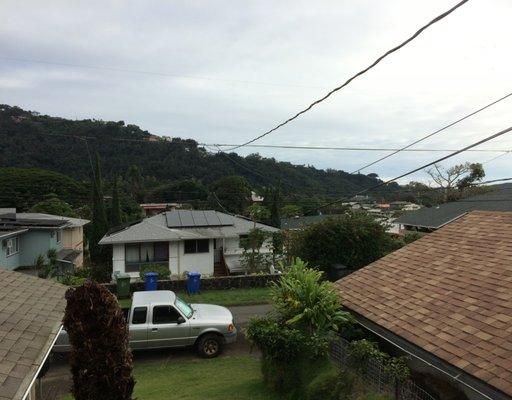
(452,372)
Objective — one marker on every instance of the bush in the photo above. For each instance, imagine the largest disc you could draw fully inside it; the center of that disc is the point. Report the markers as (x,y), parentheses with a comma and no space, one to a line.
(324,386)
(354,239)
(303,299)
(163,271)
(101,273)
(294,341)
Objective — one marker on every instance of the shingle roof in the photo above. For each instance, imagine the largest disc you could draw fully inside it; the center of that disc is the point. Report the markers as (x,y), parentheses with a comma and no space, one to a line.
(450,293)
(155,229)
(435,217)
(31,311)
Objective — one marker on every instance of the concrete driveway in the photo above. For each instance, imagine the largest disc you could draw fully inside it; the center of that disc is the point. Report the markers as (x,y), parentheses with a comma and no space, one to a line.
(57,380)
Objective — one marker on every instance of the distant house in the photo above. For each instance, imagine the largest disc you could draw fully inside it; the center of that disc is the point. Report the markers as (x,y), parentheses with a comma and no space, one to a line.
(25,236)
(182,240)
(429,219)
(445,301)
(31,311)
(150,209)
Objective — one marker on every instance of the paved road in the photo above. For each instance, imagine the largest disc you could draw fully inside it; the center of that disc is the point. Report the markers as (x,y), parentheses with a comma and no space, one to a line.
(242,314)
(58,379)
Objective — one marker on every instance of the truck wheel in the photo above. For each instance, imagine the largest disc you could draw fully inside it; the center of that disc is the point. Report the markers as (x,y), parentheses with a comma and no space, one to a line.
(209,345)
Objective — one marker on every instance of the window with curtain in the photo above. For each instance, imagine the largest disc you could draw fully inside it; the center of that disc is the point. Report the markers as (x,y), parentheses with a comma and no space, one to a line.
(147,252)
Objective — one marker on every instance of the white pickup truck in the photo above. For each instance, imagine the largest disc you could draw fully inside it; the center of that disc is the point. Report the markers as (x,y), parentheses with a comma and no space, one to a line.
(160,319)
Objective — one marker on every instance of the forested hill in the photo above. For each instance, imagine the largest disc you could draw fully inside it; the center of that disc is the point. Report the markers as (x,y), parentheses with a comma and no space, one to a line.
(28,139)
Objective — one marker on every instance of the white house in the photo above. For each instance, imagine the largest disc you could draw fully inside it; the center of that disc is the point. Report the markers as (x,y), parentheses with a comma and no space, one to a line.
(184,240)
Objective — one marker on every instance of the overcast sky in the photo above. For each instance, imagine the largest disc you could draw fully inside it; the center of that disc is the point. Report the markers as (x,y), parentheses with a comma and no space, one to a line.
(225,71)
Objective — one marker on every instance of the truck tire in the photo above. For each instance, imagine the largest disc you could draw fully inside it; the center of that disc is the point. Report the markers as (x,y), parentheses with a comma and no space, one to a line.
(209,345)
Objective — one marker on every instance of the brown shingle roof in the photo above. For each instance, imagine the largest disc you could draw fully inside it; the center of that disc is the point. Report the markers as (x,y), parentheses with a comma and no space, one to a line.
(449,293)
(31,311)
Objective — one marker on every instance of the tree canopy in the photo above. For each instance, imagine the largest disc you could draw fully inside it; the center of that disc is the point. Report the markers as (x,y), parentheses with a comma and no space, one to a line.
(353,239)
(30,140)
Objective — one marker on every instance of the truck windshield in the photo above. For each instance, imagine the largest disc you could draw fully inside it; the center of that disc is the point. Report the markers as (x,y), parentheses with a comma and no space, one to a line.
(184,307)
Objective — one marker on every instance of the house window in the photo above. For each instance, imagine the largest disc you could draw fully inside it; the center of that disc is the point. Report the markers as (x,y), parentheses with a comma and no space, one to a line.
(138,254)
(58,235)
(12,246)
(197,246)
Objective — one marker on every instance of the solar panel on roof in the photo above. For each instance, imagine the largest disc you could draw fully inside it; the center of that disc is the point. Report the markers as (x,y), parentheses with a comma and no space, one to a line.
(173,219)
(225,219)
(199,218)
(186,218)
(212,218)
(196,218)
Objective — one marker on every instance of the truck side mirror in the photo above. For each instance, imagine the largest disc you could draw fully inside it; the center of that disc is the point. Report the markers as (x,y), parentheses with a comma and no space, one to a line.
(181,320)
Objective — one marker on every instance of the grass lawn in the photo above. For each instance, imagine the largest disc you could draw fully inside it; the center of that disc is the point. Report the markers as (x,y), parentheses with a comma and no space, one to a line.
(229,297)
(234,378)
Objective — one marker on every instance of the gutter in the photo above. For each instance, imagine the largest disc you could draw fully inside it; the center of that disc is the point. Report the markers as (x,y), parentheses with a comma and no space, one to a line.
(27,392)
(368,324)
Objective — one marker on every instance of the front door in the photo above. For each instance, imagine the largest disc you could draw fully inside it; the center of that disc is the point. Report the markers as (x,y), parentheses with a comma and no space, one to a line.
(217,249)
(164,329)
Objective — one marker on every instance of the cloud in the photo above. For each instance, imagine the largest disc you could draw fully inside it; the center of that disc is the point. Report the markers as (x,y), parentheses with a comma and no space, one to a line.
(258,62)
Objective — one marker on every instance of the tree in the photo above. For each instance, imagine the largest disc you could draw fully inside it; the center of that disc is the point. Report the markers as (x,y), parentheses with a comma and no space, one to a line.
(100,360)
(99,223)
(136,183)
(353,239)
(233,193)
(273,202)
(180,191)
(459,176)
(55,206)
(252,259)
(115,212)
(291,210)
(24,187)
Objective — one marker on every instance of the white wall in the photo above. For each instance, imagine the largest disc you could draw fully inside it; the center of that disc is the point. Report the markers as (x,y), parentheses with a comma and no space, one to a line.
(118,260)
(199,262)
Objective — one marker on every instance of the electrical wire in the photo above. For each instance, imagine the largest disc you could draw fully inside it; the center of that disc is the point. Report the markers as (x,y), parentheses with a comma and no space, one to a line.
(157,73)
(433,133)
(363,71)
(500,133)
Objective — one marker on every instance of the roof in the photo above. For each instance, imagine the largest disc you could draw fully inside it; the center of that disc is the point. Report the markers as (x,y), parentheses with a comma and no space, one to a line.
(155,228)
(31,311)
(449,293)
(435,217)
(72,222)
(302,222)
(151,297)
(5,233)
(197,219)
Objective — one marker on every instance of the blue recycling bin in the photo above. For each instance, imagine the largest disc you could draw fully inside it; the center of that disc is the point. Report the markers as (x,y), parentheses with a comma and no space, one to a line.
(193,282)
(151,279)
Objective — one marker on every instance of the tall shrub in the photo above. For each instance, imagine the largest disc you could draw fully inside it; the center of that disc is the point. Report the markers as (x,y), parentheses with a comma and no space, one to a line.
(294,341)
(100,359)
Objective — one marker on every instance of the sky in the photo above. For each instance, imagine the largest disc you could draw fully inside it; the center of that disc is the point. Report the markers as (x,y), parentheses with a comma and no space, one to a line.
(226,71)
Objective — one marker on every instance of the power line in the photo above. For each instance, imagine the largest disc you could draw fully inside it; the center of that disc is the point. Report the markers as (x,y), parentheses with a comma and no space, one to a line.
(202,144)
(378,60)
(293,147)
(500,133)
(156,73)
(433,133)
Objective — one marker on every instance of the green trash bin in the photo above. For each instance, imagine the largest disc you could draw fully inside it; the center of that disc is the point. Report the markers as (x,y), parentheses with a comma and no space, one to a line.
(123,286)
